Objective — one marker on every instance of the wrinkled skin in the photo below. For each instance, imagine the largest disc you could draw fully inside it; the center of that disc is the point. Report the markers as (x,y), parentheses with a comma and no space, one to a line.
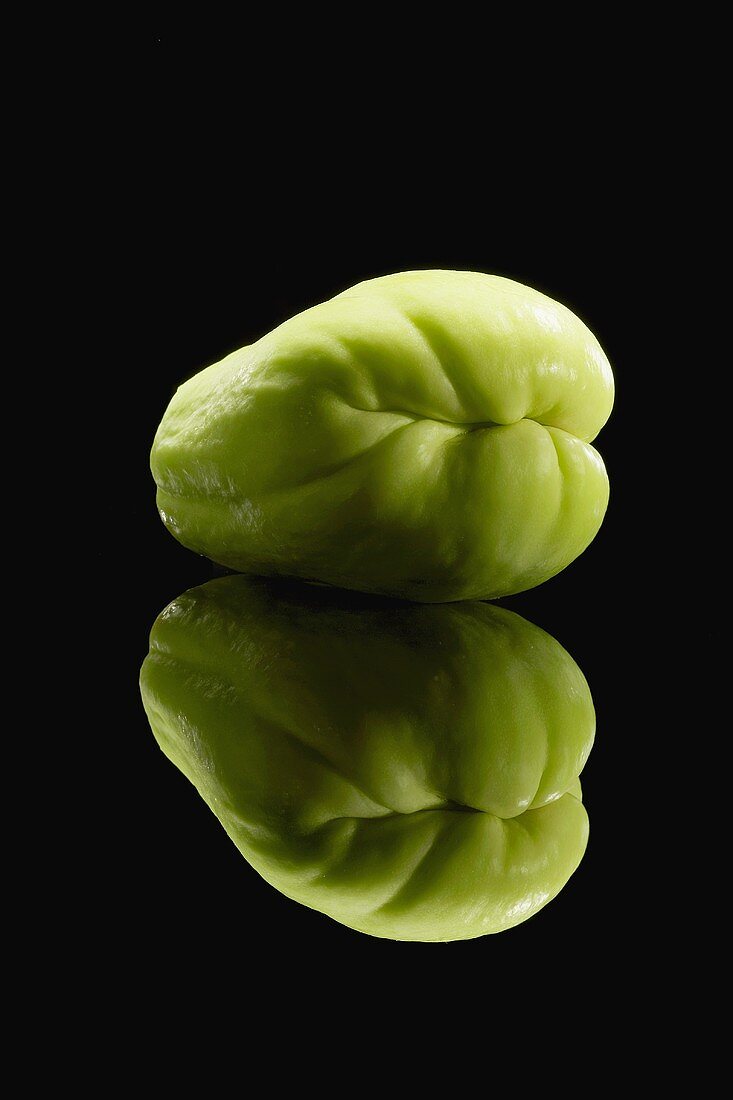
(423,435)
(412,771)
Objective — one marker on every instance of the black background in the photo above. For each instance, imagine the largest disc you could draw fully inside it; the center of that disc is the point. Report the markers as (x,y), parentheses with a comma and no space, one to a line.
(223,249)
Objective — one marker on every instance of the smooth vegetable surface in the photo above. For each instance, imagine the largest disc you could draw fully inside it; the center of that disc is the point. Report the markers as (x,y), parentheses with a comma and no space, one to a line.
(423,435)
(412,771)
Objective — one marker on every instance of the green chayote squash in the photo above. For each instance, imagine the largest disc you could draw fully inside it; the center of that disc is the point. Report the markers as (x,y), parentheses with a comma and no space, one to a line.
(423,435)
(410,770)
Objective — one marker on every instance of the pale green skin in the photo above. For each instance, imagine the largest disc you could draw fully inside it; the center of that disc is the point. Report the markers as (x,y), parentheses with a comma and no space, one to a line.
(409,770)
(422,435)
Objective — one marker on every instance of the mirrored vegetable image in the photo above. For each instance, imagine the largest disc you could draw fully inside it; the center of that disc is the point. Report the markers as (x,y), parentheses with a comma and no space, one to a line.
(409,770)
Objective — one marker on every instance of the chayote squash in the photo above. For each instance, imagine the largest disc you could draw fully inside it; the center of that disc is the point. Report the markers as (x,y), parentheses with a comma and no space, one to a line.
(412,771)
(423,435)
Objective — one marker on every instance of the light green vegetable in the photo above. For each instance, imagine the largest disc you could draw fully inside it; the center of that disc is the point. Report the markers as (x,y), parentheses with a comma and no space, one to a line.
(423,435)
(412,771)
